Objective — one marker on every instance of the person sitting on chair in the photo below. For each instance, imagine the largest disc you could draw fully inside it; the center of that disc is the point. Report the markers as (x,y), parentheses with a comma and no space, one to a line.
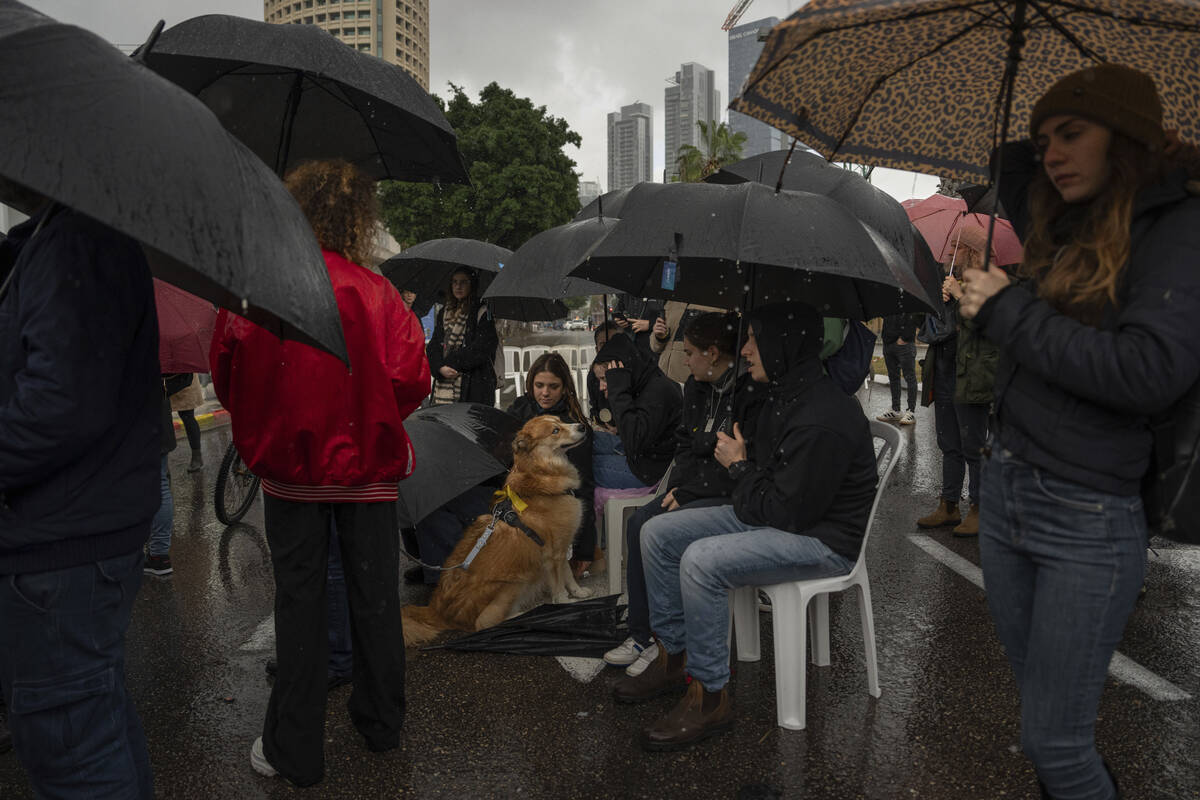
(634,449)
(802,495)
(695,478)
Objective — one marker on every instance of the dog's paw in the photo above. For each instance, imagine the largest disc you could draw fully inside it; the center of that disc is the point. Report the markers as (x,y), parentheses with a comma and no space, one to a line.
(580,593)
(559,599)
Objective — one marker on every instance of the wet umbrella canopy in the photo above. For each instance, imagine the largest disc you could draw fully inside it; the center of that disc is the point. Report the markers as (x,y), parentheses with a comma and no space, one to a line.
(747,245)
(294,93)
(588,628)
(94,130)
(426,268)
(917,84)
(539,268)
(608,204)
(185,329)
(456,446)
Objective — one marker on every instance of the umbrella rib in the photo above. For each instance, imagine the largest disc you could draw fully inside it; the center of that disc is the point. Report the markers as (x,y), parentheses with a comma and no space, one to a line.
(1070,37)
(1181,27)
(883,78)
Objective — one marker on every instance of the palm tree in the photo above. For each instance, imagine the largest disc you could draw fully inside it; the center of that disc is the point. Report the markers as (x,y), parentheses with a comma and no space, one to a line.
(721,146)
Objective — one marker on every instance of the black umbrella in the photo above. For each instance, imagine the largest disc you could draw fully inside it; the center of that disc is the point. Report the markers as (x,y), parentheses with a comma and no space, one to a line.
(745,245)
(539,268)
(808,172)
(93,130)
(608,204)
(426,268)
(588,628)
(456,446)
(294,93)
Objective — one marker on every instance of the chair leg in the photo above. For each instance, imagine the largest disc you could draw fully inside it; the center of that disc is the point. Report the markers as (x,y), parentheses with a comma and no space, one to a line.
(744,602)
(789,615)
(614,534)
(868,626)
(818,620)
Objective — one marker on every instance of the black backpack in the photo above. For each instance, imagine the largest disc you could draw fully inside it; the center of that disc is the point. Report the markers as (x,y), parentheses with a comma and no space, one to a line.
(851,364)
(1171,488)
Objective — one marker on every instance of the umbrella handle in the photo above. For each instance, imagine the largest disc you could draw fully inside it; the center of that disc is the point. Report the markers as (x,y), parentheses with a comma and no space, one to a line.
(1016,41)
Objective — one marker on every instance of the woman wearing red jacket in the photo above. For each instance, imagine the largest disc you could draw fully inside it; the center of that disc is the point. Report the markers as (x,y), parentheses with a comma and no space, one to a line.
(329,444)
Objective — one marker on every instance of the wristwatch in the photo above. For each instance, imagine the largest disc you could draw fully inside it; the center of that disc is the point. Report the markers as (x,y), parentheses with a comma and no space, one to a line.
(739,468)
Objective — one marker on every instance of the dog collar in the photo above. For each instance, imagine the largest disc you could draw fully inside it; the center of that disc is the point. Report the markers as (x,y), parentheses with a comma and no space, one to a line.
(514,499)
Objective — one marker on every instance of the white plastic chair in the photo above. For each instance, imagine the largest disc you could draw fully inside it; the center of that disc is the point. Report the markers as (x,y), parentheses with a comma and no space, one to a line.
(532,354)
(512,360)
(587,354)
(792,614)
(615,518)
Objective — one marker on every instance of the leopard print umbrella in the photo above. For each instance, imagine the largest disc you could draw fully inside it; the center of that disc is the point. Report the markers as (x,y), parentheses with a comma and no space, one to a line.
(915,84)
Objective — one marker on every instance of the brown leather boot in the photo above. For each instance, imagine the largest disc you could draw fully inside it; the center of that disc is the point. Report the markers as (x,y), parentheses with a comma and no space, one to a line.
(698,715)
(946,514)
(665,674)
(970,525)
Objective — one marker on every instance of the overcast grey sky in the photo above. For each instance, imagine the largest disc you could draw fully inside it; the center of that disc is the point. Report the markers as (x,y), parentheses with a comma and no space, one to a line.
(579,59)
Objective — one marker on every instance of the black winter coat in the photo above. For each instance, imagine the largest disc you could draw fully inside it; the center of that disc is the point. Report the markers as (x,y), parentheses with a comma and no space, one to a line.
(80,395)
(526,408)
(901,326)
(475,360)
(811,463)
(1075,399)
(707,409)
(646,408)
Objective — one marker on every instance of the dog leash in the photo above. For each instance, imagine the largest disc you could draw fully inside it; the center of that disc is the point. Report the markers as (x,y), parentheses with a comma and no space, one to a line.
(505,510)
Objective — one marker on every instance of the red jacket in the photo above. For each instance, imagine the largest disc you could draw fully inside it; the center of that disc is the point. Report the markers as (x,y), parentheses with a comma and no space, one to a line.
(302,421)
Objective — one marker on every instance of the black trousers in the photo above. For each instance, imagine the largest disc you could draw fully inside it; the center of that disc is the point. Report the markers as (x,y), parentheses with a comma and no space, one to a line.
(298,533)
(901,358)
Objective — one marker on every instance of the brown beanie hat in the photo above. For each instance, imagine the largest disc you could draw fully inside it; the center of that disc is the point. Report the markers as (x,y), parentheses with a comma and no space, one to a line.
(1114,95)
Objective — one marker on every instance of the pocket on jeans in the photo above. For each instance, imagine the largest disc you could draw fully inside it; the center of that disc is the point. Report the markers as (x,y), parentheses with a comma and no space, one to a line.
(38,590)
(1068,493)
(58,715)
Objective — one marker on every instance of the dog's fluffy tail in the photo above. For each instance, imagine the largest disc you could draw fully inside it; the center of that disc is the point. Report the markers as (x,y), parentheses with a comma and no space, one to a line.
(421,624)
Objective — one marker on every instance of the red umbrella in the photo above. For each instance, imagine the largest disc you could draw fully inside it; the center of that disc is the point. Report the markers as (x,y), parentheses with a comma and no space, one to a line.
(185,329)
(946,225)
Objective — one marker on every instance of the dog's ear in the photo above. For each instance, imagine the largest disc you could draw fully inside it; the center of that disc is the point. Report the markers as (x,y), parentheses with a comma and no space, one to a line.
(522,443)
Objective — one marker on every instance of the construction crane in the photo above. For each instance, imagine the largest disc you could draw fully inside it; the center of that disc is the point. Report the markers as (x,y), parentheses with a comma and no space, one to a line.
(735,14)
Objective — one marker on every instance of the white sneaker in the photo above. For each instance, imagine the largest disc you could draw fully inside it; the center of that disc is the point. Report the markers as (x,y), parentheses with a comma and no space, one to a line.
(891,416)
(259,761)
(908,418)
(644,659)
(624,655)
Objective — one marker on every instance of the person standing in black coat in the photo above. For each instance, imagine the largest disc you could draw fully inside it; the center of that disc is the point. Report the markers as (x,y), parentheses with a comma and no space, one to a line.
(802,493)
(1097,340)
(462,351)
(80,425)
(899,337)
(636,449)
(549,390)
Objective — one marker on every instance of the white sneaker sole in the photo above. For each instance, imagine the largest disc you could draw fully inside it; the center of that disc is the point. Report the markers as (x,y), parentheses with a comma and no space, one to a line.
(259,761)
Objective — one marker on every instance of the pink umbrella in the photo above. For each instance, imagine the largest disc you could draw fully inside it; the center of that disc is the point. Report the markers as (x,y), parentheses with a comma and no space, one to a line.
(946,225)
(185,329)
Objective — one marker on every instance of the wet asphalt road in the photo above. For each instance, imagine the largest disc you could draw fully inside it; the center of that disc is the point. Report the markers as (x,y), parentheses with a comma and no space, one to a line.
(946,725)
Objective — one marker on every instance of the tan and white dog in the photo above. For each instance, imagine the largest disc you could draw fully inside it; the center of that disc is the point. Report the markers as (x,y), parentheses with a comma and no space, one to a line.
(511,567)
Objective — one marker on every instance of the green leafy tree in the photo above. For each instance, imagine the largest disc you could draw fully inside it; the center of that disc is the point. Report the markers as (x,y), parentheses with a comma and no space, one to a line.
(521,180)
(721,146)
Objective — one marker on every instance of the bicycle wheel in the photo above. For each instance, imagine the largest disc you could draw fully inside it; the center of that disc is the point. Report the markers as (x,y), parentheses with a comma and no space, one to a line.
(236,488)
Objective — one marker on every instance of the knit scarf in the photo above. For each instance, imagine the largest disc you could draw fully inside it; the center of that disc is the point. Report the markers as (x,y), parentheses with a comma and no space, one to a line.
(446,391)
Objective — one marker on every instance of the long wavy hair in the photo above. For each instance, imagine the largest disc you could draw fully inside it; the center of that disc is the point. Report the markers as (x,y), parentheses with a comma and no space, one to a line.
(453,304)
(339,201)
(1079,273)
(556,365)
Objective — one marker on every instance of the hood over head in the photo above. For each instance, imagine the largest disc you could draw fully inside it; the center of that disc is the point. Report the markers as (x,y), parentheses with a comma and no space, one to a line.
(622,348)
(787,334)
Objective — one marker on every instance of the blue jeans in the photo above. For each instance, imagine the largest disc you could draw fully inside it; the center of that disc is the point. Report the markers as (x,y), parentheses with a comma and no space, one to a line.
(1063,565)
(164,519)
(609,466)
(62,666)
(694,556)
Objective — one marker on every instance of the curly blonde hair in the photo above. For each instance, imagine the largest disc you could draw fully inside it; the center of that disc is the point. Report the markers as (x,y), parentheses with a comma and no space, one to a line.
(340,203)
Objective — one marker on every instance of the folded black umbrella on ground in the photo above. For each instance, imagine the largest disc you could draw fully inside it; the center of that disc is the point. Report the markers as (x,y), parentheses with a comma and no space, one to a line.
(456,446)
(96,131)
(294,93)
(588,629)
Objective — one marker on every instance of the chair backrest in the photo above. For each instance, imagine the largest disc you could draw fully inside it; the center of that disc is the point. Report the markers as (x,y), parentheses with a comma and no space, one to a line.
(512,360)
(532,354)
(587,354)
(892,448)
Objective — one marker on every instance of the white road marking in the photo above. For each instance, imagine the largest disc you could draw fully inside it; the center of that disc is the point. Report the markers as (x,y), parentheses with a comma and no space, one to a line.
(583,670)
(1122,667)
(263,637)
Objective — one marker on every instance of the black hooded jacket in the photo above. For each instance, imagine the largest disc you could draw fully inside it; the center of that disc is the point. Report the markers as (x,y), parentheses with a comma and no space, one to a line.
(526,408)
(708,408)
(645,405)
(811,463)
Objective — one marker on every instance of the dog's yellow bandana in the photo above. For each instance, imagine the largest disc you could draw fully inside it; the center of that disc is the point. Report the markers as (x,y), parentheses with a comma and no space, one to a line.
(507,492)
